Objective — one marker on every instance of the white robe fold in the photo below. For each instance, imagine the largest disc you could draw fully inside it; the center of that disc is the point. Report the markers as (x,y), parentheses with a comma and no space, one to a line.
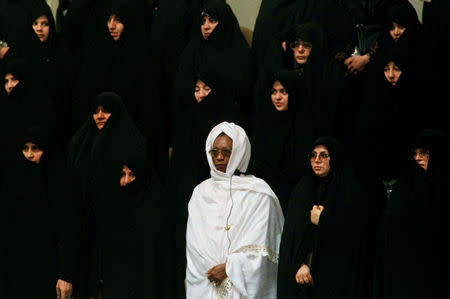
(250,210)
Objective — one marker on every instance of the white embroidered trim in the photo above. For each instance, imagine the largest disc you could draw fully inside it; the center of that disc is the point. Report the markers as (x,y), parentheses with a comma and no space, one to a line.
(257,250)
(226,286)
(224,291)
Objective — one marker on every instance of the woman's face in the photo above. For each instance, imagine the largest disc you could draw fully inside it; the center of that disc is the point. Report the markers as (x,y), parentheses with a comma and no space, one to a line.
(320,161)
(32,152)
(101,116)
(280,96)
(396,31)
(392,72)
(208,26)
(201,90)
(115,27)
(421,156)
(41,27)
(127,176)
(10,82)
(301,51)
(221,152)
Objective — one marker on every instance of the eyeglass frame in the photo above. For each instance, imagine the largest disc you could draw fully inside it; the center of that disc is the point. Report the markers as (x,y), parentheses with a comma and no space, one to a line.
(418,151)
(226,153)
(297,43)
(322,156)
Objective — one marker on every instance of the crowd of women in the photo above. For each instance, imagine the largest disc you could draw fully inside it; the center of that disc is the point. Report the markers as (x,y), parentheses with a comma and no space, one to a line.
(106,107)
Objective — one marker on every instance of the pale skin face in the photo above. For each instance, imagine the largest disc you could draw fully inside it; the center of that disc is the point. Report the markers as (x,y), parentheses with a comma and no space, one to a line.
(127,176)
(32,152)
(221,152)
(10,82)
(392,72)
(101,116)
(301,51)
(421,156)
(396,31)
(115,27)
(41,27)
(320,161)
(201,90)
(279,96)
(208,26)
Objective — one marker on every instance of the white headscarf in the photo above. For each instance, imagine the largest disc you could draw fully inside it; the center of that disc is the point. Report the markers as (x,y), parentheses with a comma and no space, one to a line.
(240,156)
(233,219)
(239,160)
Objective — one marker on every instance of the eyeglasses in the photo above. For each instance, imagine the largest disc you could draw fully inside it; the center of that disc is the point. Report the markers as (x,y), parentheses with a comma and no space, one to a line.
(422,153)
(215,152)
(298,43)
(322,156)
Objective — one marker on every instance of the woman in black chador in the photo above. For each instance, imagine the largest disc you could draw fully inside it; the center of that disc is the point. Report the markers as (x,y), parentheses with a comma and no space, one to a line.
(322,251)
(48,63)
(115,60)
(22,106)
(389,117)
(39,226)
(107,132)
(130,218)
(410,239)
(301,48)
(220,46)
(282,134)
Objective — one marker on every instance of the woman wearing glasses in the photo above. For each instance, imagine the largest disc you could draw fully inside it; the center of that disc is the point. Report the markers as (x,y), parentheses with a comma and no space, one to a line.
(410,249)
(322,251)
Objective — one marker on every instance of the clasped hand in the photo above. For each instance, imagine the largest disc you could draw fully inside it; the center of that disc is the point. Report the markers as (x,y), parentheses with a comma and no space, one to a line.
(217,274)
(315,214)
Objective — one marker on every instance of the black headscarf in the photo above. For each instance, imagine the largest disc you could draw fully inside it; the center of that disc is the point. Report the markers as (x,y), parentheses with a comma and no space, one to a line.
(389,117)
(337,244)
(91,148)
(114,65)
(41,242)
(92,161)
(225,52)
(25,106)
(280,161)
(312,71)
(129,227)
(409,237)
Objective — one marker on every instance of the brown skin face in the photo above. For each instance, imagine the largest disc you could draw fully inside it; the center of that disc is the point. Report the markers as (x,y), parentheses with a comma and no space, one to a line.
(101,116)
(221,152)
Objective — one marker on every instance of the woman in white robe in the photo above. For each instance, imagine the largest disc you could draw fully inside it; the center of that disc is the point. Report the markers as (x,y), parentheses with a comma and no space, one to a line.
(234,220)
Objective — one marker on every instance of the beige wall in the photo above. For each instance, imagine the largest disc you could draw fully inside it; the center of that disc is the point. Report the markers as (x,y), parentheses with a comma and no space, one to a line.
(53,5)
(418,5)
(246,12)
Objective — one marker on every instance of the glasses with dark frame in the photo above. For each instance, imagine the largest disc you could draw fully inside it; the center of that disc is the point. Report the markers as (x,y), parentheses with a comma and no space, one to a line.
(322,156)
(224,152)
(422,153)
(298,43)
